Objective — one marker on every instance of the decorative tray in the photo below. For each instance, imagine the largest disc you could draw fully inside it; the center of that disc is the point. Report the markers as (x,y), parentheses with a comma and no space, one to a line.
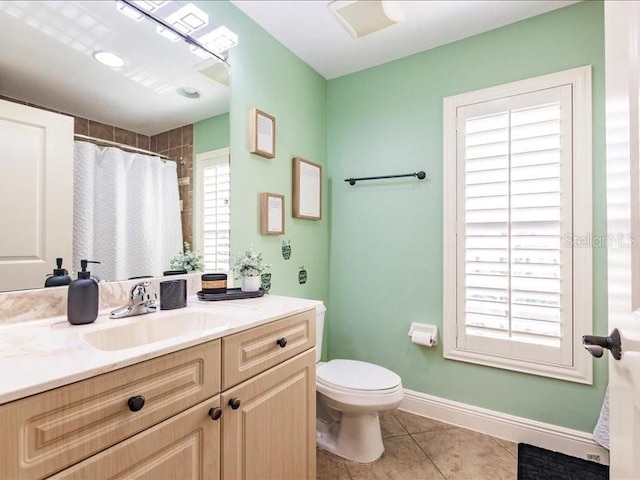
(230,294)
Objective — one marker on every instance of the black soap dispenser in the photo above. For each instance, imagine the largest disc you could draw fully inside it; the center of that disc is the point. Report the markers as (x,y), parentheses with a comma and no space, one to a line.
(83,298)
(60,276)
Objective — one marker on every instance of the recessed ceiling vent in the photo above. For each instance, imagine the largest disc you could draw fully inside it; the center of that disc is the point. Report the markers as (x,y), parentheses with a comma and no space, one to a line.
(362,17)
(214,70)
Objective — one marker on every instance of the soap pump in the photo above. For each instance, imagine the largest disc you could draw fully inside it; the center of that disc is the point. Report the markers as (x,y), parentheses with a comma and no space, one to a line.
(60,276)
(83,297)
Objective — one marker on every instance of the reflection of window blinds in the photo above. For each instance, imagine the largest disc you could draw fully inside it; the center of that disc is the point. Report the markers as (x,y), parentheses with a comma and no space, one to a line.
(514,223)
(216,191)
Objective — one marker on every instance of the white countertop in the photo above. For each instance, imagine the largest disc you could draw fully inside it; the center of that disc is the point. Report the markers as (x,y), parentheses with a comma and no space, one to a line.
(39,355)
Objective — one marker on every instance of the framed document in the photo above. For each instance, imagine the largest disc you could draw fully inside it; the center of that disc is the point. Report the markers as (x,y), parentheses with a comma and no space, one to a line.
(307,189)
(263,134)
(271,214)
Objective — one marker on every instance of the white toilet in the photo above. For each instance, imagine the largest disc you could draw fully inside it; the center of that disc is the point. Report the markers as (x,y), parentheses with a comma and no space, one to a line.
(349,396)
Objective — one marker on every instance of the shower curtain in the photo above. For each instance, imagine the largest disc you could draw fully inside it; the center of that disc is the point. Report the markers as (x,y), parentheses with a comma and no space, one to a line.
(126,212)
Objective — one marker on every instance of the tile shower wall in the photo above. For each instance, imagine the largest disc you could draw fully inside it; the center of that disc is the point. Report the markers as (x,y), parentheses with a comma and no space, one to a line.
(91,128)
(178,144)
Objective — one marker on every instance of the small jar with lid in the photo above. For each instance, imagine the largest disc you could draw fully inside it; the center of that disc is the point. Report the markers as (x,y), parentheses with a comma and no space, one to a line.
(214,283)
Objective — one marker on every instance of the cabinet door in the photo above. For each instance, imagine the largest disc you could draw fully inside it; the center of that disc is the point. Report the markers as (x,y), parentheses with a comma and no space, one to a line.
(271,435)
(186,446)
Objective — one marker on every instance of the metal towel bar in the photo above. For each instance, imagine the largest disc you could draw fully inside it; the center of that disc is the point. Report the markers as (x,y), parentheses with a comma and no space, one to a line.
(419,175)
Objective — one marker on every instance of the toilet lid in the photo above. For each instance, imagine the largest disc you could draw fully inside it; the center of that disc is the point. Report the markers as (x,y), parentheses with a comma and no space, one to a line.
(355,375)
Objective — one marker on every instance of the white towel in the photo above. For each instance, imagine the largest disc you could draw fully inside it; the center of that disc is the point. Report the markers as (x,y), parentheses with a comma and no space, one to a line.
(601,431)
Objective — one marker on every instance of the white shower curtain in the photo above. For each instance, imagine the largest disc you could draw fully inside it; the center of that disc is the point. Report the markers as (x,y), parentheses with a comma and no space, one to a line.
(126,212)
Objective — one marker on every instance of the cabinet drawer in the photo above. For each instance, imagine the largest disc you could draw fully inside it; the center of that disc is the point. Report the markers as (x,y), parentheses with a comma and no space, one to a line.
(186,446)
(248,353)
(48,432)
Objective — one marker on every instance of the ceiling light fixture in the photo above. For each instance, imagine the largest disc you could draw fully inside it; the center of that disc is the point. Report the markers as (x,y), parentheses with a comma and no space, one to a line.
(220,40)
(150,5)
(190,19)
(109,59)
(189,92)
(128,11)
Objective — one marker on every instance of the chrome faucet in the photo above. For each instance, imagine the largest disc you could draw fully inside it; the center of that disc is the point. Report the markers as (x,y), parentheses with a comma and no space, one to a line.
(140,302)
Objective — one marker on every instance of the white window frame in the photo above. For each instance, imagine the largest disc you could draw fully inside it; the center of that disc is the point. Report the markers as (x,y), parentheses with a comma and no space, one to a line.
(215,157)
(579,367)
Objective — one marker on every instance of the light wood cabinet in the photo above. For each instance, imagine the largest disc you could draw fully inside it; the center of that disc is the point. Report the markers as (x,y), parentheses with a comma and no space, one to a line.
(271,434)
(44,433)
(185,447)
(253,351)
(88,429)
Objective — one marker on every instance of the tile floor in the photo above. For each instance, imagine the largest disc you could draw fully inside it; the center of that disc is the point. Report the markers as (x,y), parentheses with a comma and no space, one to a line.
(420,448)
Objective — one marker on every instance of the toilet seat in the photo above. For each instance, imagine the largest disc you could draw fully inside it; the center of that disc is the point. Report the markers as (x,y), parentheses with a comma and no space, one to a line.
(352,376)
(353,386)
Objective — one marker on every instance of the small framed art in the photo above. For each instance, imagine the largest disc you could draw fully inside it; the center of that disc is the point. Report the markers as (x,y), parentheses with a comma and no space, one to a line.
(307,189)
(263,133)
(271,214)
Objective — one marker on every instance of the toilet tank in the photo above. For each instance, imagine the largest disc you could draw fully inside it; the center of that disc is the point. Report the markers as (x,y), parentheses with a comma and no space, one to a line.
(320,309)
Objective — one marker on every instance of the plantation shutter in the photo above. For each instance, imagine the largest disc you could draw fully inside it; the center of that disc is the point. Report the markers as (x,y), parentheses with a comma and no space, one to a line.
(216,214)
(514,221)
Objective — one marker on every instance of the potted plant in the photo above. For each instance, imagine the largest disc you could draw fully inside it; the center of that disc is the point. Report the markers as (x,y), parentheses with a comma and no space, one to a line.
(187,260)
(248,266)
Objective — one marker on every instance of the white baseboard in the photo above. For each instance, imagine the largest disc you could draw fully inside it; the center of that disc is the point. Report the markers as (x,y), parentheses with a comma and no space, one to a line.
(508,427)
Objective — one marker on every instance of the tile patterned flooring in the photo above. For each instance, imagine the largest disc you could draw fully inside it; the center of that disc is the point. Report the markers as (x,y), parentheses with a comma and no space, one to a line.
(420,448)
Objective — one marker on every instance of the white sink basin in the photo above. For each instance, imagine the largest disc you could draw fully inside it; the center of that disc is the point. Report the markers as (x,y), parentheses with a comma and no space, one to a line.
(155,327)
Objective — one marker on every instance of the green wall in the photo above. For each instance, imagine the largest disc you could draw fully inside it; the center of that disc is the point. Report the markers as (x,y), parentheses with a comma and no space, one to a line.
(267,76)
(211,134)
(386,237)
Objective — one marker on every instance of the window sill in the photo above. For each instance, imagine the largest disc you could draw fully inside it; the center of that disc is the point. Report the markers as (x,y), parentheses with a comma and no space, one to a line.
(581,374)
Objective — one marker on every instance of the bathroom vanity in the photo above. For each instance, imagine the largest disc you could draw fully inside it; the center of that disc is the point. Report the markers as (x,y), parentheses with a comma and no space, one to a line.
(234,402)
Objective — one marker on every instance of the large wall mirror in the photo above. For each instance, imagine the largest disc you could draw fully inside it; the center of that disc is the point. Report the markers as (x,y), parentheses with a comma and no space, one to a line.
(122,163)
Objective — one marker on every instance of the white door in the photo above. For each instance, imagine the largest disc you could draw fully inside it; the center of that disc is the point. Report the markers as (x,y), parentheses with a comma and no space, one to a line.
(36,194)
(622,44)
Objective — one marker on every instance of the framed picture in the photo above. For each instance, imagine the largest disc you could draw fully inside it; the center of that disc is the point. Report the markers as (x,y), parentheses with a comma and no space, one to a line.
(271,214)
(307,189)
(263,133)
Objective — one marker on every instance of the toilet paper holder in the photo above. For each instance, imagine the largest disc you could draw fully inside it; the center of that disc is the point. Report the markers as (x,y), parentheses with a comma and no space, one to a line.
(424,334)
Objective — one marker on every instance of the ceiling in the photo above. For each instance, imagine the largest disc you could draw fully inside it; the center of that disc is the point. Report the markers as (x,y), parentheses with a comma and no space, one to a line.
(49,63)
(312,32)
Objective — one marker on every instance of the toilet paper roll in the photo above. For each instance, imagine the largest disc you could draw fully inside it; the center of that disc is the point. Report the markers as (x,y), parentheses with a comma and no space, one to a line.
(421,338)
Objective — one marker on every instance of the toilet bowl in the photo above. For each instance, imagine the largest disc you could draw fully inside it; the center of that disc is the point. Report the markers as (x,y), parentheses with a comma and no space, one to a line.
(349,397)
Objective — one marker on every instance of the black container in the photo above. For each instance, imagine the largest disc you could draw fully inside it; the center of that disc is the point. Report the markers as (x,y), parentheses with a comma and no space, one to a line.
(173,294)
(60,276)
(214,282)
(83,297)
(167,273)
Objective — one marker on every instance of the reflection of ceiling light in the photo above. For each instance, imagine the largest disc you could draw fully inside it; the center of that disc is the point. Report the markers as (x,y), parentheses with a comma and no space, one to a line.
(168,34)
(150,5)
(109,59)
(200,52)
(128,11)
(189,92)
(188,19)
(220,40)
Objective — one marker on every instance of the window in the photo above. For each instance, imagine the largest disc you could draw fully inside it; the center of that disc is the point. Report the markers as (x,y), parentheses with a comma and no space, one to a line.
(212,209)
(517,178)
